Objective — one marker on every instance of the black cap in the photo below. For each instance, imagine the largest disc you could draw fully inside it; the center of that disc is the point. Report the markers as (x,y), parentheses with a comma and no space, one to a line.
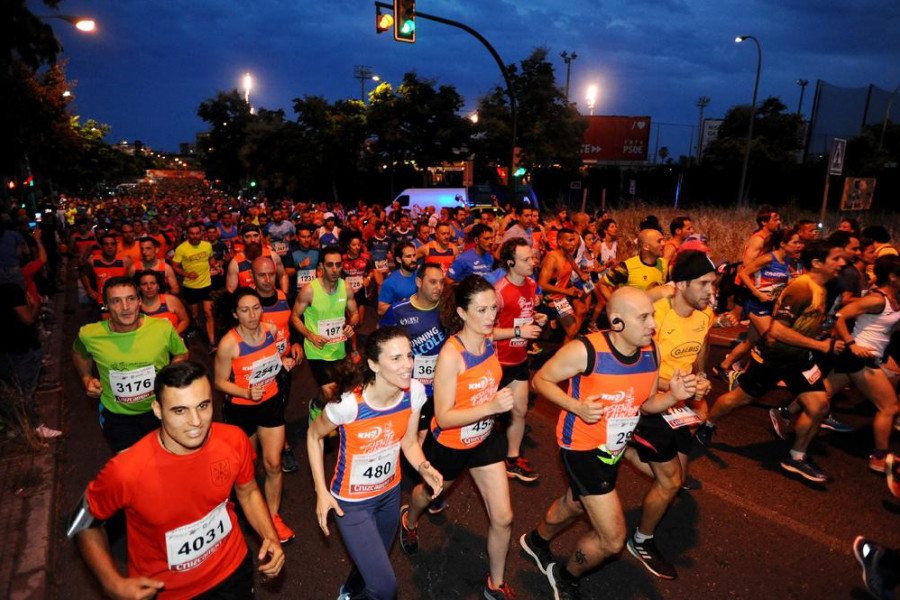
(690,265)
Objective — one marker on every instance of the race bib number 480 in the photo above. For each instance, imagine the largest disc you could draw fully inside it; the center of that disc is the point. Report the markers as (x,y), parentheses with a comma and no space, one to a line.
(374,472)
(132,386)
(189,546)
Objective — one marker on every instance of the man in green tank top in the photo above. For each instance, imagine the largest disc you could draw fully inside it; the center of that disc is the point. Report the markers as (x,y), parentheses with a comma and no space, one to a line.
(325,316)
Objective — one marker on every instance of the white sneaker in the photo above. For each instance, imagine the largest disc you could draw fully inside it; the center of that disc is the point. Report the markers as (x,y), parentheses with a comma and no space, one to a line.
(47,433)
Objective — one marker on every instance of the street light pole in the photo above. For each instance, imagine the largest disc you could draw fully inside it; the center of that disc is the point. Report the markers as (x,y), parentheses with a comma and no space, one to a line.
(702,102)
(738,40)
(887,115)
(568,58)
(802,83)
(363,72)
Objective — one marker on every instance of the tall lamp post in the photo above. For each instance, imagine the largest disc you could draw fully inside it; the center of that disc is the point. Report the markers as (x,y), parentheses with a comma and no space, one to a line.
(568,58)
(738,40)
(887,115)
(702,102)
(802,83)
(81,23)
(591,98)
(364,73)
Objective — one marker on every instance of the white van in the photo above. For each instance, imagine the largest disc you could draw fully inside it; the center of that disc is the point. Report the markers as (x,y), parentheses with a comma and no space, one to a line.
(416,200)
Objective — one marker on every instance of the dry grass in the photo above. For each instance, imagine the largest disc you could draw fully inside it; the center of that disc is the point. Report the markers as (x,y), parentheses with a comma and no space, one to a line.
(729,228)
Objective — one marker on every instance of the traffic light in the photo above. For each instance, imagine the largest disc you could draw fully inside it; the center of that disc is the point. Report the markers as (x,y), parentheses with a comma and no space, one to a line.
(383,21)
(29,181)
(405,20)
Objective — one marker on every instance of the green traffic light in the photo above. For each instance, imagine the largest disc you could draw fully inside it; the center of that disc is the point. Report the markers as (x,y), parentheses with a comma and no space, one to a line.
(252,184)
(519,172)
(409,26)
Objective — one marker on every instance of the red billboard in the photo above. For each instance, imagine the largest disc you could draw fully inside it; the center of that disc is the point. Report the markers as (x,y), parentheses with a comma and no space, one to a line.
(616,138)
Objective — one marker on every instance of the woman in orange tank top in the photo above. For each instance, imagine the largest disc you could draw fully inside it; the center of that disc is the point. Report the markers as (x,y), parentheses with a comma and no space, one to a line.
(377,416)
(247,363)
(160,306)
(466,401)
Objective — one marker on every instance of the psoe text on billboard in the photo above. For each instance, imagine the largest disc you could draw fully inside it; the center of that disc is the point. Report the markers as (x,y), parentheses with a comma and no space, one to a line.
(616,138)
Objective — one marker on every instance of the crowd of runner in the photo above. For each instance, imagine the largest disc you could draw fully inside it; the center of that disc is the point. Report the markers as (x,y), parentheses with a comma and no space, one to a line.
(468,307)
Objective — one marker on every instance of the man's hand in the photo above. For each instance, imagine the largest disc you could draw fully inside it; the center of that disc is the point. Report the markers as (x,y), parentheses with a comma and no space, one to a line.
(862,351)
(683,386)
(317,340)
(726,320)
(135,588)
(530,331)
(590,410)
(272,567)
(93,388)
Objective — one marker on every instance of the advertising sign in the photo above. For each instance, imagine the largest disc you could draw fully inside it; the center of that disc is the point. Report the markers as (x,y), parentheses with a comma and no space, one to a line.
(857,193)
(616,138)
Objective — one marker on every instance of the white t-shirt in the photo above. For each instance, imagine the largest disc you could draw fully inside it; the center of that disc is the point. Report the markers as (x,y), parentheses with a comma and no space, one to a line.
(345,411)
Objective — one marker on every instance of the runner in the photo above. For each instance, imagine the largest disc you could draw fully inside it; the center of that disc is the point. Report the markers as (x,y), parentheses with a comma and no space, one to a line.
(462,433)
(558,272)
(786,354)
(193,260)
(401,283)
(439,250)
(128,350)
(277,310)
(376,417)
(320,315)
(478,259)
(239,272)
(105,264)
(517,324)
(149,248)
(357,273)
(305,257)
(680,228)
(160,305)
(645,271)
(613,380)
(662,442)
(246,369)
(184,539)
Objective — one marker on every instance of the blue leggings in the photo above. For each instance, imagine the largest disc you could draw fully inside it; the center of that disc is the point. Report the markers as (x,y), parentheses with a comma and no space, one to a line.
(368,529)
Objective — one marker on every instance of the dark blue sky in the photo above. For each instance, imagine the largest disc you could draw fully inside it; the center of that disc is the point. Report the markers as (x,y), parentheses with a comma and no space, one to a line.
(151,63)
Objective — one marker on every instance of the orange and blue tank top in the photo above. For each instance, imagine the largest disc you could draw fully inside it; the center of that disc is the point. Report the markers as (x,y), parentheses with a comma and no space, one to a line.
(441,257)
(368,462)
(255,365)
(475,386)
(279,314)
(623,384)
(104,271)
(162,312)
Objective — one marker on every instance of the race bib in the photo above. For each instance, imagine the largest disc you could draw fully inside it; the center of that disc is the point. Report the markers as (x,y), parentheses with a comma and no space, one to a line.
(132,386)
(518,342)
(423,368)
(381,265)
(305,276)
(374,472)
(282,346)
(813,374)
(563,307)
(188,546)
(681,416)
(332,329)
(588,286)
(618,433)
(265,369)
(355,282)
(279,248)
(476,432)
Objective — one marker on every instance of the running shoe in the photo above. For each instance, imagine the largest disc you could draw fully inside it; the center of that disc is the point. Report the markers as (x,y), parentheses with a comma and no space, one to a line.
(409,538)
(47,433)
(520,469)
(504,592)
(437,506)
(355,357)
(733,377)
(563,589)
(647,553)
(721,372)
(877,465)
(803,467)
(834,425)
(289,461)
(869,556)
(781,425)
(892,471)
(535,350)
(542,556)
(704,434)
(285,533)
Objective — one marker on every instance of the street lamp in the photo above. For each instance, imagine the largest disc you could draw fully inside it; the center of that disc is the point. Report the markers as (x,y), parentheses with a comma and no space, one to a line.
(81,23)
(802,83)
(702,103)
(592,98)
(248,85)
(568,58)
(364,73)
(887,115)
(738,40)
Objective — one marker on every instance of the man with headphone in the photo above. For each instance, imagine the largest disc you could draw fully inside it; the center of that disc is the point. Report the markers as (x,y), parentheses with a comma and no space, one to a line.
(613,380)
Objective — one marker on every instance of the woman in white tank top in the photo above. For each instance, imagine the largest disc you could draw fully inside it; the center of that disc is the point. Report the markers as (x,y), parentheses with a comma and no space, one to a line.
(877,316)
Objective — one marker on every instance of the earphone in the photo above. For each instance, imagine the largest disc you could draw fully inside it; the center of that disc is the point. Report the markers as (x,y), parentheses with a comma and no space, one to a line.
(618,325)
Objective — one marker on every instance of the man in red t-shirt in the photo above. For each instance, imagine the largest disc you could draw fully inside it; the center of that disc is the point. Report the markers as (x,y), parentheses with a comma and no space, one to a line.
(174,484)
(517,323)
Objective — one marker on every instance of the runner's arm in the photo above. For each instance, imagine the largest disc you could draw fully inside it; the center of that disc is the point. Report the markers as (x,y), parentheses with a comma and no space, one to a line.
(568,362)
(872,303)
(171,280)
(284,281)
(231,276)
(257,513)
(225,354)
(94,546)
(746,271)
(178,308)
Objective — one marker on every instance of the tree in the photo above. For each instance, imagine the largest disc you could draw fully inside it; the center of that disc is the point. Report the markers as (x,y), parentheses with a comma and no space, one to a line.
(549,128)
(229,117)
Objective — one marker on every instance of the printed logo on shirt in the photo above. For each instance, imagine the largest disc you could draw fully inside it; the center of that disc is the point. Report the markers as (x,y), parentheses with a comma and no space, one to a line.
(688,348)
(412,320)
(220,472)
(372,434)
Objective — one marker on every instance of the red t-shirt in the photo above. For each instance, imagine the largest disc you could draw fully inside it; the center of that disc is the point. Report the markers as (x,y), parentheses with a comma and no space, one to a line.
(515,308)
(182,529)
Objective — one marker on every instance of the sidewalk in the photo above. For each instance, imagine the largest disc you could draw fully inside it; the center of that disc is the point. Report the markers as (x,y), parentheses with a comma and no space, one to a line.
(28,486)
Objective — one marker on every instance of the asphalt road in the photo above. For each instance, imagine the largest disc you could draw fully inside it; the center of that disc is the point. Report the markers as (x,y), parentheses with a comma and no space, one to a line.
(750,531)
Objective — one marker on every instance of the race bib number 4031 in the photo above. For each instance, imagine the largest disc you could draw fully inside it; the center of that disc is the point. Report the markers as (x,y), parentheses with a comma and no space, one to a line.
(189,546)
